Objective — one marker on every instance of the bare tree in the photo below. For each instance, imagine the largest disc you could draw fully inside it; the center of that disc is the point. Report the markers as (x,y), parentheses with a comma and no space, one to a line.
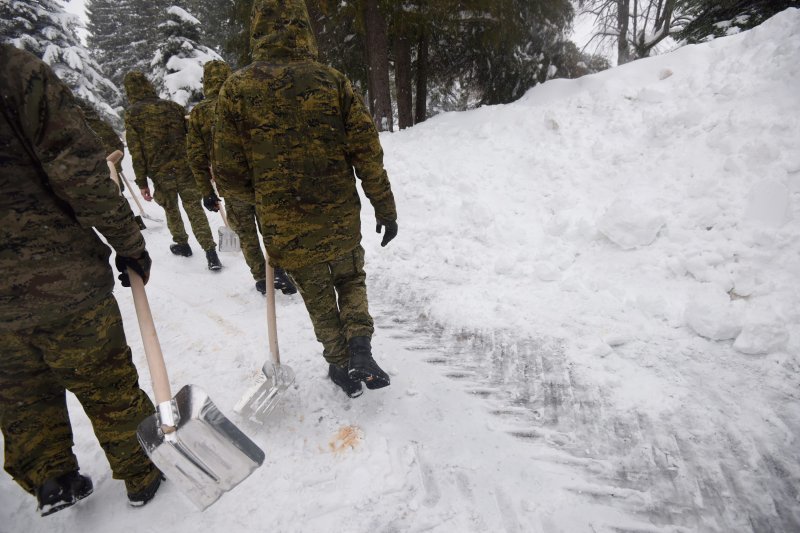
(637,25)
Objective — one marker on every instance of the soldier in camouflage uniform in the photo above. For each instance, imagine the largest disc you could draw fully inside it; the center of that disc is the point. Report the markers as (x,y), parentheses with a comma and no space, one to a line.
(60,327)
(290,133)
(156,134)
(242,216)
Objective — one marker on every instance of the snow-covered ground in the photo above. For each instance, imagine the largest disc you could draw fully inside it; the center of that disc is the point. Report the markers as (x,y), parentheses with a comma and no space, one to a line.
(591,316)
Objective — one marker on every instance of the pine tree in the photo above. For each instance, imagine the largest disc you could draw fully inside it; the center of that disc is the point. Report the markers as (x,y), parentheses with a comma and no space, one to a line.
(237,45)
(121,34)
(216,24)
(45,29)
(725,17)
(177,66)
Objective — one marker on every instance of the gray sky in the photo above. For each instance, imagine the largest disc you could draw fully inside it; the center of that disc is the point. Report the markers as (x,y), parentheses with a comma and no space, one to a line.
(76,7)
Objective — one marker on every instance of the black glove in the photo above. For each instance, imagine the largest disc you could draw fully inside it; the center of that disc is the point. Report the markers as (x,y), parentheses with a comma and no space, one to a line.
(391,230)
(211,202)
(140,265)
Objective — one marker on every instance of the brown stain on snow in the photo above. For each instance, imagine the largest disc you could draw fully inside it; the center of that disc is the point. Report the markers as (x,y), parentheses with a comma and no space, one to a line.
(348,437)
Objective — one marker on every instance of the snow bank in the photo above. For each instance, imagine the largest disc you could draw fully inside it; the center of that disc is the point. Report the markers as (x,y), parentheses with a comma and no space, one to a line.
(613,203)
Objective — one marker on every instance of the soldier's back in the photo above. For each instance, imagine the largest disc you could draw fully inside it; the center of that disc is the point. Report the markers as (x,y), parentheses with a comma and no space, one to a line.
(161,127)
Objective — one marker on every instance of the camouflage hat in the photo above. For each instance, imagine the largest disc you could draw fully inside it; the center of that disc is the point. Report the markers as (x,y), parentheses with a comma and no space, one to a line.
(214,75)
(138,87)
(281,29)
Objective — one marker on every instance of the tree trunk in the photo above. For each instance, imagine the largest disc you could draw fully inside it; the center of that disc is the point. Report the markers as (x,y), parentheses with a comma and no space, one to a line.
(421,111)
(402,76)
(623,18)
(378,58)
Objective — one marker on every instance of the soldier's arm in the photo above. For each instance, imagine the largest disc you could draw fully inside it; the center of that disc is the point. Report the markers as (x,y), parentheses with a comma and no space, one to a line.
(198,158)
(136,148)
(73,160)
(364,152)
(231,167)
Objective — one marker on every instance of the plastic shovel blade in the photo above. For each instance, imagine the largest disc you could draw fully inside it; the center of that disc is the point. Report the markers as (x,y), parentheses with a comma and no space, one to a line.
(229,240)
(206,455)
(261,399)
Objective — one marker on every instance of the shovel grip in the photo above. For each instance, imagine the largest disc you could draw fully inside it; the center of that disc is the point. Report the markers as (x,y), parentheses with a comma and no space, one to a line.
(152,348)
(272,323)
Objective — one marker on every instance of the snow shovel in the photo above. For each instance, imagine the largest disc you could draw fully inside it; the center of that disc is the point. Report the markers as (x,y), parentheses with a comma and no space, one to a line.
(112,161)
(228,239)
(262,398)
(188,438)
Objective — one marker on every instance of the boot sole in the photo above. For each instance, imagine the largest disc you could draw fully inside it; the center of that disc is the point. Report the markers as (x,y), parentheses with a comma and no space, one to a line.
(371,380)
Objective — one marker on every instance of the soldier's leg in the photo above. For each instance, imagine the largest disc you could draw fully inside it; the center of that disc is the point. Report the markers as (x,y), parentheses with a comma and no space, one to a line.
(315,284)
(91,357)
(350,282)
(166,195)
(192,204)
(33,414)
(242,217)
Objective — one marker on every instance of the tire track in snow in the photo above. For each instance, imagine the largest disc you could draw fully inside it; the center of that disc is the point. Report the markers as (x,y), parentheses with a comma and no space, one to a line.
(676,471)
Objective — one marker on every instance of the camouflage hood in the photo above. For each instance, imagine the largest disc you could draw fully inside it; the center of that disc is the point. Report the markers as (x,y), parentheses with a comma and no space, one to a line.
(214,75)
(138,87)
(281,30)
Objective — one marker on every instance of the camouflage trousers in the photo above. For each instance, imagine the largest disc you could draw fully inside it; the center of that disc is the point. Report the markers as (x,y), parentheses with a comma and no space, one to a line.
(242,217)
(335,294)
(87,354)
(167,194)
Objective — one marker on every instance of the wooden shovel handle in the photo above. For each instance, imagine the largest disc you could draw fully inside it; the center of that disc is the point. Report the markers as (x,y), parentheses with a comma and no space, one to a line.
(133,193)
(152,348)
(272,323)
(221,207)
(112,161)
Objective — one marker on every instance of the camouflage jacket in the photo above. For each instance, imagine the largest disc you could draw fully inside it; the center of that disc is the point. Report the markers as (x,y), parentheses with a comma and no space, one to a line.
(290,132)
(54,189)
(201,122)
(156,132)
(109,138)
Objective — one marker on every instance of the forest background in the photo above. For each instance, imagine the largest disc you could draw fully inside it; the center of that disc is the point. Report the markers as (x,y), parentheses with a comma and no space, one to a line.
(412,59)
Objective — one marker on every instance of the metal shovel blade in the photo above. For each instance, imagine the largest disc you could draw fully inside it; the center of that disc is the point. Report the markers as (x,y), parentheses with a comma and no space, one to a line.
(228,240)
(206,455)
(258,402)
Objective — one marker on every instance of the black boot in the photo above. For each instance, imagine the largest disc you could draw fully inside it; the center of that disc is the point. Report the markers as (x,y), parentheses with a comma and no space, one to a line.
(60,492)
(283,283)
(183,250)
(140,498)
(338,374)
(261,286)
(363,367)
(213,260)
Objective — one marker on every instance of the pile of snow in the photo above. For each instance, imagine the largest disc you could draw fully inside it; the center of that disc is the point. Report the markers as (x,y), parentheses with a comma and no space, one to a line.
(652,200)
